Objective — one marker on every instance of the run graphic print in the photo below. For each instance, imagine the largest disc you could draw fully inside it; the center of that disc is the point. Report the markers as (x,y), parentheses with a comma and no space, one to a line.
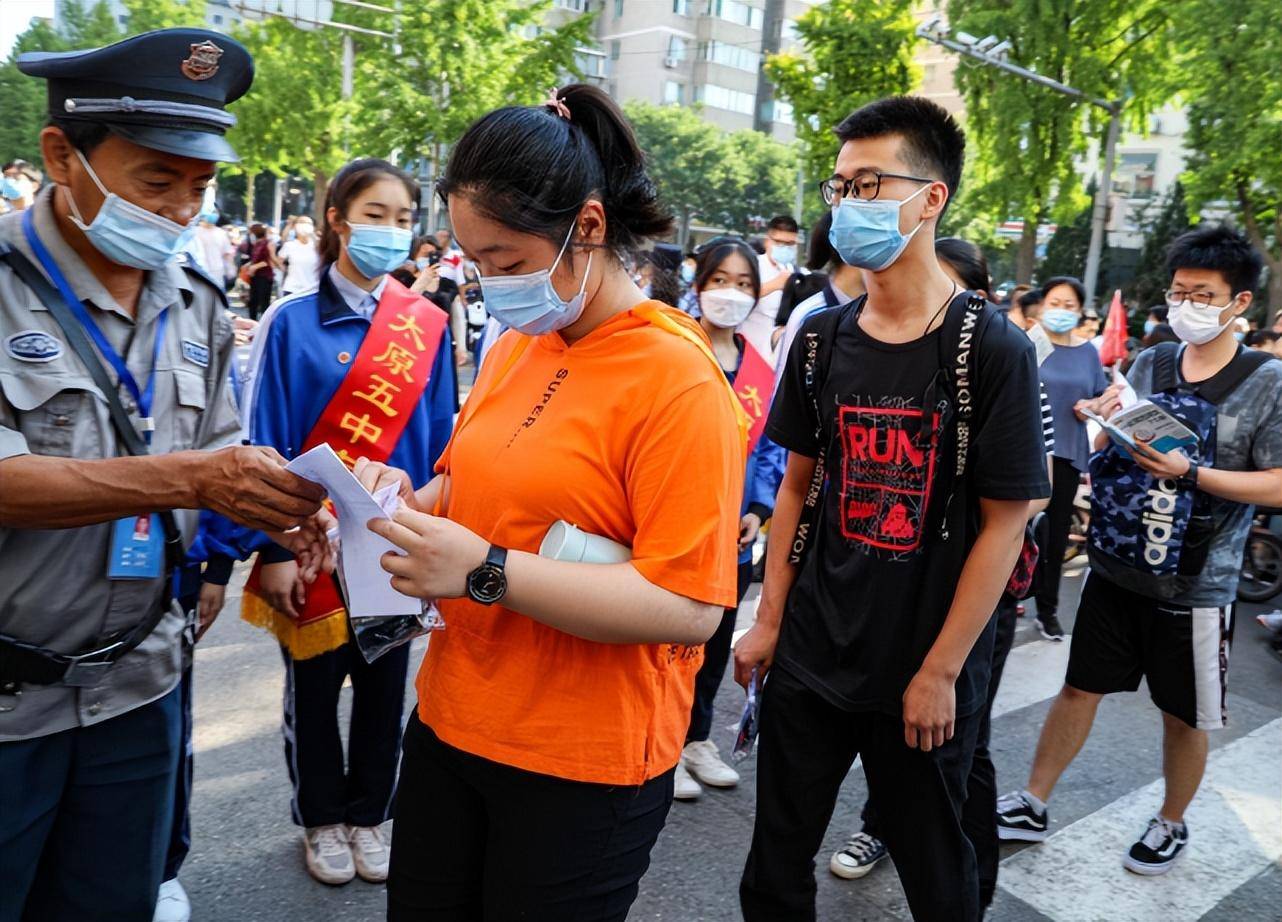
(888,467)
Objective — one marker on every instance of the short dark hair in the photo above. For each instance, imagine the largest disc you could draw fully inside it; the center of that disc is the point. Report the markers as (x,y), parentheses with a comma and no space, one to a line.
(712,256)
(531,170)
(820,254)
(934,144)
(1219,248)
(1262,337)
(258,230)
(783,222)
(1078,288)
(1159,312)
(26,169)
(350,182)
(1031,298)
(84,136)
(967,260)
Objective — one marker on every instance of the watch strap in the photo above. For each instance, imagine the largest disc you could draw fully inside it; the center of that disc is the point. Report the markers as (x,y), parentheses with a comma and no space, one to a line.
(497,557)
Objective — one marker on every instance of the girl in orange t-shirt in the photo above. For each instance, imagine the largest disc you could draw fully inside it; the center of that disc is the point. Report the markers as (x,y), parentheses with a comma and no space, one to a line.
(538,768)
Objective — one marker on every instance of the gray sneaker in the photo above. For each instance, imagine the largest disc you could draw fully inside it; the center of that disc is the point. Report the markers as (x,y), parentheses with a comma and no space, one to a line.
(329,854)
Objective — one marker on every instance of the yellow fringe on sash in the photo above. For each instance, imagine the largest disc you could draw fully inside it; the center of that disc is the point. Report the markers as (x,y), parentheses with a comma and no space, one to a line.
(302,641)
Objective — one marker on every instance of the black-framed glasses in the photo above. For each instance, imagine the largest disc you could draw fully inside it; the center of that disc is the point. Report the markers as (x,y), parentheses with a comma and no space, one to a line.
(865,185)
(1175,296)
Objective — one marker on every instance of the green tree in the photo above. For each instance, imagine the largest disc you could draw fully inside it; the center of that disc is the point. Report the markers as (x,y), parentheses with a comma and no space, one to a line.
(754,180)
(1024,138)
(1161,226)
(459,60)
(1229,75)
(684,155)
(852,52)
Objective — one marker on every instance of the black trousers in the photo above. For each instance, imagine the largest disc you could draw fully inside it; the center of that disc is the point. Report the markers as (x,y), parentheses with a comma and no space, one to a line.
(260,295)
(805,749)
(979,813)
(716,653)
(1050,562)
(325,791)
(476,840)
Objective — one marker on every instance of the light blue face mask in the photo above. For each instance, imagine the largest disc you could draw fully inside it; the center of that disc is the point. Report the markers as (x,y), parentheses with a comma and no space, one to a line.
(1149,326)
(377,249)
(785,254)
(1060,319)
(529,303)
(866,234)
(687,273)
(10,189)
(129,234)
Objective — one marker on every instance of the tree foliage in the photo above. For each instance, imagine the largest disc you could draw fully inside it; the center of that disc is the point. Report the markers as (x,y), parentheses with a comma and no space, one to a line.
(1024,138)
(731,181)
(853,51)
(1162,225)
(1229,77)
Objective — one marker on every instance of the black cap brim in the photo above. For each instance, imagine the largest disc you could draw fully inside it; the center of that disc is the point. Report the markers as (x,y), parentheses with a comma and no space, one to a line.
(199,145)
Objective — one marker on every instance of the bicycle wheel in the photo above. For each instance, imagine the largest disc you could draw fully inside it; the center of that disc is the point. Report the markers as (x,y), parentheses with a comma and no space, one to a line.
(1261,567)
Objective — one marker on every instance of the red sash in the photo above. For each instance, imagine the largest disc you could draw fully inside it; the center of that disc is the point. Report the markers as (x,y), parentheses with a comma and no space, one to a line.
(754,385)
(364,419)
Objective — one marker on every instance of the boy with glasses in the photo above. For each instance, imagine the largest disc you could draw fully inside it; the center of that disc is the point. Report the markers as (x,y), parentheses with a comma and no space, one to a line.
(1167,532)
(924,413)
(776,267)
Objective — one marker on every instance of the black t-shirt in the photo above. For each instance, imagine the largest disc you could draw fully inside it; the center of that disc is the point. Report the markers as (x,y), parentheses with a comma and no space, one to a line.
(876,585)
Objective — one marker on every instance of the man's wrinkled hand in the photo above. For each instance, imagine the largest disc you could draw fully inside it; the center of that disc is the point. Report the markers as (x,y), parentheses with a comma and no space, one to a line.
(250,486)
(310,545)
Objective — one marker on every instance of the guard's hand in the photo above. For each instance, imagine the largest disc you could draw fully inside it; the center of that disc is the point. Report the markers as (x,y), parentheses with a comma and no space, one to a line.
(1161,464)
(749,528)
(930,707)
(249,485)
(282,587)
(755,650)
(437,557)
(374,476)
(212,597)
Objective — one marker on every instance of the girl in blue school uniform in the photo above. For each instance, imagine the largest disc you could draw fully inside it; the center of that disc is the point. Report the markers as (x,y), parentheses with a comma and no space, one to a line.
(727,285)
(365,365)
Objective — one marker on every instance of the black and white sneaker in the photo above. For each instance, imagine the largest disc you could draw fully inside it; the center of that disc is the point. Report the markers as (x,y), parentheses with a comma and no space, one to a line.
(858,856)
(1159,848)
(1049,627)
(1020,821)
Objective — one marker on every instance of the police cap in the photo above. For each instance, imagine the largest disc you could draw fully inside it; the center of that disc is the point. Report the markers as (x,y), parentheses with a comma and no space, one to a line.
(167,90)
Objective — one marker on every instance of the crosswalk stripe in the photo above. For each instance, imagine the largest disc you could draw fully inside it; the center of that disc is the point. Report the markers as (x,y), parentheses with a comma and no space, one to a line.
(1034,672)
(1235,832)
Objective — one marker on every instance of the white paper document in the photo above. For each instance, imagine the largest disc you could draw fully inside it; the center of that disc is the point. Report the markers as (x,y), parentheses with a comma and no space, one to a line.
(369,592)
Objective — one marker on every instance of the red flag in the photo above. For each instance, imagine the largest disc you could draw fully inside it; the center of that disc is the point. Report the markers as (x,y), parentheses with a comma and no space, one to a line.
(1113,349)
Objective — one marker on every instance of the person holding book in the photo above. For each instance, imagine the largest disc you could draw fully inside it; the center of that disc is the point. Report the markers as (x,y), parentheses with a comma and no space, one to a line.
(1166,540)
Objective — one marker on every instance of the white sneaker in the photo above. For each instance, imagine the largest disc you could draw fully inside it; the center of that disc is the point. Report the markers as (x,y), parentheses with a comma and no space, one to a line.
(704,762)
(172,904)
(371,852)
(684,787)
(329,854)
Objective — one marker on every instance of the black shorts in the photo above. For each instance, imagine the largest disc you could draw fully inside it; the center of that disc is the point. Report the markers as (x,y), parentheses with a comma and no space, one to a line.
(1121,637)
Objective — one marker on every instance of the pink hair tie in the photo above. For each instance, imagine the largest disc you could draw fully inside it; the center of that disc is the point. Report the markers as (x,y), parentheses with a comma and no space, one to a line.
(557,105)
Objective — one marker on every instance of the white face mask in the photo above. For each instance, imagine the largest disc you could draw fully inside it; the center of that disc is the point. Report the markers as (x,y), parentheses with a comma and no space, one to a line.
(1195,324)
(726,307)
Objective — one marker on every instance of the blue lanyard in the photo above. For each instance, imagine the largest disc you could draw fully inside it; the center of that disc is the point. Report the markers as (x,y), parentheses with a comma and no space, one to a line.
(142,396)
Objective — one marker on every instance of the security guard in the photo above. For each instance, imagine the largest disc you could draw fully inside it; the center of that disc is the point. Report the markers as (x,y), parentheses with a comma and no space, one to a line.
(114,413)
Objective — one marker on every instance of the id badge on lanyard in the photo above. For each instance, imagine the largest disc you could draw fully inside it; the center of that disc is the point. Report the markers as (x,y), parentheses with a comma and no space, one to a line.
(137,542)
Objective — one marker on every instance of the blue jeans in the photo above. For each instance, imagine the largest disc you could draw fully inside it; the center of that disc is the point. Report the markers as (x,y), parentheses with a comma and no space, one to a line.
(85,817)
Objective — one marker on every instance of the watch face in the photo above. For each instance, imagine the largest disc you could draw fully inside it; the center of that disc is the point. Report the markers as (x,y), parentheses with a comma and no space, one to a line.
(487,584)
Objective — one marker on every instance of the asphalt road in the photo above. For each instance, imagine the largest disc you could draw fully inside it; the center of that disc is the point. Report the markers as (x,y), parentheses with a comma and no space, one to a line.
(246,862)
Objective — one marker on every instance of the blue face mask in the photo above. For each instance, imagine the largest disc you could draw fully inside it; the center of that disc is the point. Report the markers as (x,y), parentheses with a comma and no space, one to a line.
(10,189)
(129,234)
(687,273)
(785,254)
(377,249)
(528,303)
(1149,326)
(1060,319)
(866,234)
(1239,335)
(422,263)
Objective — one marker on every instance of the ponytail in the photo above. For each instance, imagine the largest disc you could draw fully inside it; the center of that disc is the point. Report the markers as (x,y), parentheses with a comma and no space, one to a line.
(531,168)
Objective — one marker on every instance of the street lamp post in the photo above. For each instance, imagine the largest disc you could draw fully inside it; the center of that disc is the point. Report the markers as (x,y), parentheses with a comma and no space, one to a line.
(993,53)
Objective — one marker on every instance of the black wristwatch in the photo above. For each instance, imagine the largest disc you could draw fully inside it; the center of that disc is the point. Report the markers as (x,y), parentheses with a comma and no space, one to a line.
(487,584)
(1189,477)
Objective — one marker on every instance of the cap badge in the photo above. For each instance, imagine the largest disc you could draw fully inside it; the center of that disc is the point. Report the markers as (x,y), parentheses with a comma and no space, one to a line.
(203,62)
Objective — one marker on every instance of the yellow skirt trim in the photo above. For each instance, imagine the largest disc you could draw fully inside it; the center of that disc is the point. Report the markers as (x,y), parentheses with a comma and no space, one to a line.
(304,641)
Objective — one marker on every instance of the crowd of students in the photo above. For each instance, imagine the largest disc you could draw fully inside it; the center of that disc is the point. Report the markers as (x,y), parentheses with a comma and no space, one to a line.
(896,431)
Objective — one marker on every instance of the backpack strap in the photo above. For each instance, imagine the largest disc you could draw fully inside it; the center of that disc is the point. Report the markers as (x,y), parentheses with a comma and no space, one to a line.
(1217,388)
(1166,365)
(963,328)
(819,344)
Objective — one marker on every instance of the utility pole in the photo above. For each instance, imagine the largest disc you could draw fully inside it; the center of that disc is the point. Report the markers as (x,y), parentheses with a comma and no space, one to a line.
(993,53)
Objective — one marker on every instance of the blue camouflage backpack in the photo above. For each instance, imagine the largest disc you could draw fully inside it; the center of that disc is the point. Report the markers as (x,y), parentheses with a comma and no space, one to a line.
(1157,528)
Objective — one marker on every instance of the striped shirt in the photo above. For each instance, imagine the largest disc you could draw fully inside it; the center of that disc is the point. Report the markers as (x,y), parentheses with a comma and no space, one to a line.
(1048,421)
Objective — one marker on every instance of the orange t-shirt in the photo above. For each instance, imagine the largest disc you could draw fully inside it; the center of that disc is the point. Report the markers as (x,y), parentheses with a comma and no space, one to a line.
(629,433)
